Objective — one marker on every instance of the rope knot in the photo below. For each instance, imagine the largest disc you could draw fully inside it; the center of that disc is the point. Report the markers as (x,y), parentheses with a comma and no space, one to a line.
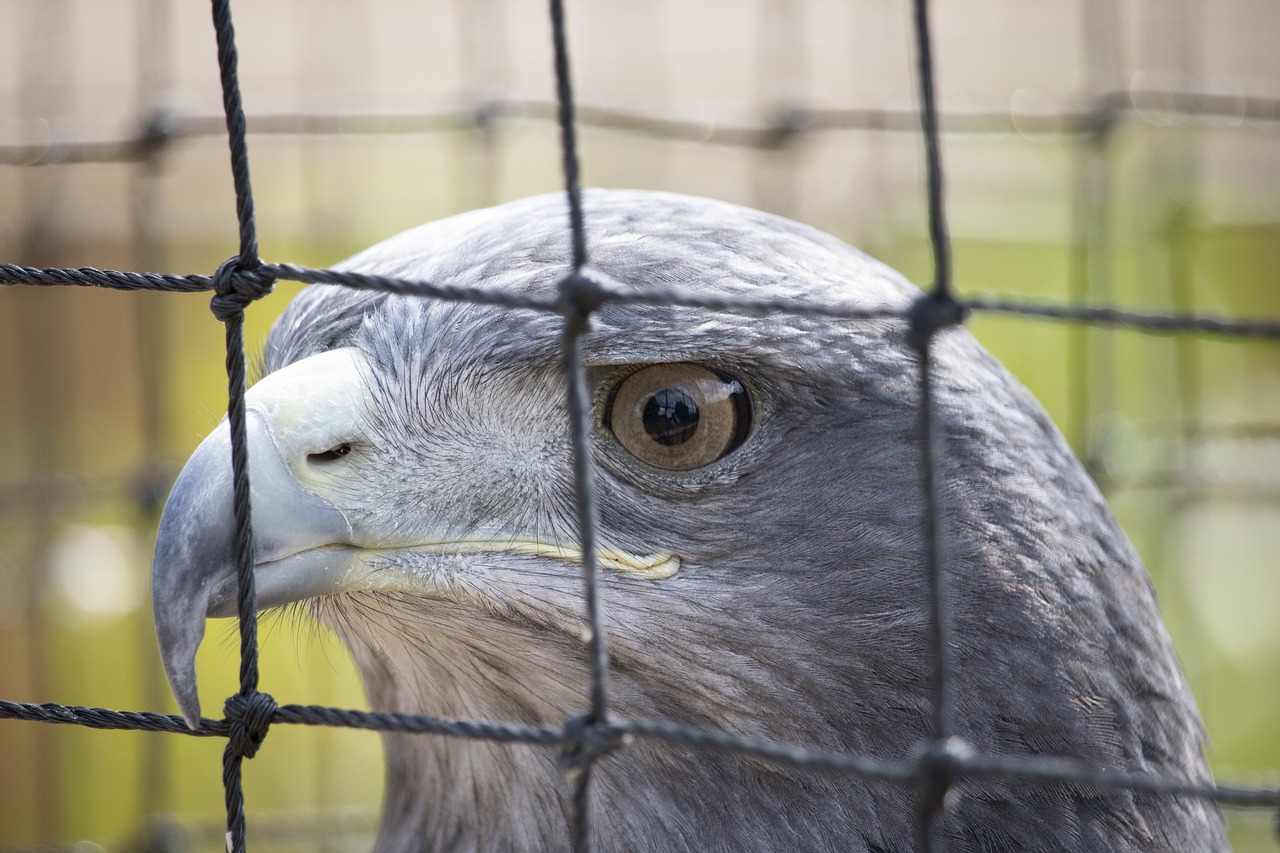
(236,287)
(931,313)
(159,130)
(584,741)
(250,717)
(580,297)
(788,123)
(939,763)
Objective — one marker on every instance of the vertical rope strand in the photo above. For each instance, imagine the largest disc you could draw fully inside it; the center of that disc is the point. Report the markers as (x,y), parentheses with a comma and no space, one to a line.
(935,547)
(939,238)
(232,314)
(247,604)
(584,486)
(579,300)
(935,778)
(247,600)
(568,134)
(598,651)
(233,798)
(228,60)
(931,313)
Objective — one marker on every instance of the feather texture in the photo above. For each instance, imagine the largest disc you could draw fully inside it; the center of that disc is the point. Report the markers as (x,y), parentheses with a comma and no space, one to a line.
(798,611)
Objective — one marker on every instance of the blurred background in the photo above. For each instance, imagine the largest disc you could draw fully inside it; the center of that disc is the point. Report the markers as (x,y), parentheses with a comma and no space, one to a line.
(1119,152)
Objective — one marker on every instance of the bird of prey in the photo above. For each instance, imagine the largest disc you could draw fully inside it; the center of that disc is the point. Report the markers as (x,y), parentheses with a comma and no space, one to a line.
(761,539)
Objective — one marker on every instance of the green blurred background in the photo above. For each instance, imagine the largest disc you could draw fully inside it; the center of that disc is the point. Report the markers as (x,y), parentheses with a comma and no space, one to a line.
(1176,206)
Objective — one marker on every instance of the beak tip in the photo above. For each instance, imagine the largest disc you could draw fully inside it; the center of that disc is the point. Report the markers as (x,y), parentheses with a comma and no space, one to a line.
(188,704)
(178,643)
(192,717)
(190,559)
(182,682)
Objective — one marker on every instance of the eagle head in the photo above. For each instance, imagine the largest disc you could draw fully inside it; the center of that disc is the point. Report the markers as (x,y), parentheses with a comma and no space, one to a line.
(760,539)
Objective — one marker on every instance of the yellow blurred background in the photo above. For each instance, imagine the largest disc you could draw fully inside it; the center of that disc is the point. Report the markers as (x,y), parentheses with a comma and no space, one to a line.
(371,116)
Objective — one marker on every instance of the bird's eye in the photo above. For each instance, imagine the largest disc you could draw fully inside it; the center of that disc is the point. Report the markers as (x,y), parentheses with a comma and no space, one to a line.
(331,455)
(678,416)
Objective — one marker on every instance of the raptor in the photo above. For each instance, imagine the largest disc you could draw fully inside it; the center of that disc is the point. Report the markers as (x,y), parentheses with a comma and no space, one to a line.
(761,543)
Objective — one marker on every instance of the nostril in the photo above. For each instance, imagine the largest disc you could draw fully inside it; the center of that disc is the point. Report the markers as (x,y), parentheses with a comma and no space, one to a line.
(331,455)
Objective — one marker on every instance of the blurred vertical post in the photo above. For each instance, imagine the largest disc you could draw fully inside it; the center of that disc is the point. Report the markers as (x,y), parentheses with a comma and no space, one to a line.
(1169,49)
(151,319)
(46,69)
(781,84)
(485,80)
(1089,353)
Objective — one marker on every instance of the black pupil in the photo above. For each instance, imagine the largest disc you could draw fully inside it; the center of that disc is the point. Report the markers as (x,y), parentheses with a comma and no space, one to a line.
(671,417)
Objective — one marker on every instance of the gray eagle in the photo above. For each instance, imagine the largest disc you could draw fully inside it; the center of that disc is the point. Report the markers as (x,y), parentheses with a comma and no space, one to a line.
(760,538)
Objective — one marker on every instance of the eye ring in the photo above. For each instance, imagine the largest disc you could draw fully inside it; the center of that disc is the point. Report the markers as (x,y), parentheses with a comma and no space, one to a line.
(679,415)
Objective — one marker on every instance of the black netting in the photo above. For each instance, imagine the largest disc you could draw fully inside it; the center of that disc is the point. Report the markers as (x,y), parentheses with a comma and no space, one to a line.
(940,762)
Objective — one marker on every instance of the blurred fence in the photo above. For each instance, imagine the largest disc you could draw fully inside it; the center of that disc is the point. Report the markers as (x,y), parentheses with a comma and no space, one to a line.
(1114,154)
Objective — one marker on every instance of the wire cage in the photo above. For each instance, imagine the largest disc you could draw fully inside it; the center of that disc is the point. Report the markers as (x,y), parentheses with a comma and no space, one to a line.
(1112,165)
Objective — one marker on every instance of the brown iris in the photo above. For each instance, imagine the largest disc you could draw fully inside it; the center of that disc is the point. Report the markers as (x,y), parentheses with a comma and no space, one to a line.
(678,416)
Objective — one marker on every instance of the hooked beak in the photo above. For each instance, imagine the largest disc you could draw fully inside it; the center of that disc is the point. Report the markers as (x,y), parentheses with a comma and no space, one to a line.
(302,410)
(309,538)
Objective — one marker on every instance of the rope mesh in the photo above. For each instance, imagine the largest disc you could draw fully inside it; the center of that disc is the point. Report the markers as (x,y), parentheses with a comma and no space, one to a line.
(584,739)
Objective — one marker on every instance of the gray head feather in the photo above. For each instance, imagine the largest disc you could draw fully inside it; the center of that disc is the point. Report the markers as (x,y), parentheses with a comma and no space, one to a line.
(797,614)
